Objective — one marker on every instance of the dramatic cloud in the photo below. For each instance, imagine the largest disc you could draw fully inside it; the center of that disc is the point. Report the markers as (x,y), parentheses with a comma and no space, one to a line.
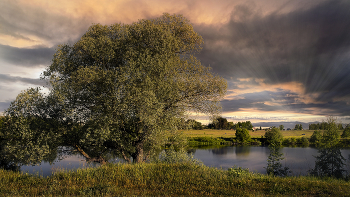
(309,46)
(281,58)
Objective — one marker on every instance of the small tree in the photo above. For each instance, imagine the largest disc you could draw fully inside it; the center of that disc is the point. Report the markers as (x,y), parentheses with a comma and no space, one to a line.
(274,137)
(346,132)
(330,136)
(221,123)
(298,127)
(316,137)
(281,127)
(242,135)
(195,124)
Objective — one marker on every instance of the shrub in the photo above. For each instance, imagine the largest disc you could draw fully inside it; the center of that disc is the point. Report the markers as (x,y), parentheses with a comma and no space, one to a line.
(286,141)
(274,137)
(242,135)
(238,171)
(303,141)
(293,140)
(172,156)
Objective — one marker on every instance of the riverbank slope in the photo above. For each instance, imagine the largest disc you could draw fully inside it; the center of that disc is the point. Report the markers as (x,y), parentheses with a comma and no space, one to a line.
(162,179)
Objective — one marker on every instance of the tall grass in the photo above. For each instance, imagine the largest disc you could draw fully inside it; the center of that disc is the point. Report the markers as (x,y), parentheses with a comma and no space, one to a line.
(166,179)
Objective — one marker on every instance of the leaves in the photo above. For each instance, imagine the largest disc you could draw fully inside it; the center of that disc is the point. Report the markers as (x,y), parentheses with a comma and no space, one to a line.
(120,87)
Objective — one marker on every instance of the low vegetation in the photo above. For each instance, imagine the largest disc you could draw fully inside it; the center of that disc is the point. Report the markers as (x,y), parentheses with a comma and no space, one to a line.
(166,179)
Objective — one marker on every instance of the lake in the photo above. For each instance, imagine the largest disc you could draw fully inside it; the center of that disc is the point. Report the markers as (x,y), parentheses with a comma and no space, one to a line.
(298,159)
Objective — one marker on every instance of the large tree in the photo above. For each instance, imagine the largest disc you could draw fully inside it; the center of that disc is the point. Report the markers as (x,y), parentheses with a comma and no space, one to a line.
(122,88)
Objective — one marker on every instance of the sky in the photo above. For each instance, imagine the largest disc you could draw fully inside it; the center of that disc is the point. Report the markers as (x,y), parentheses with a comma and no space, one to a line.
(284,60)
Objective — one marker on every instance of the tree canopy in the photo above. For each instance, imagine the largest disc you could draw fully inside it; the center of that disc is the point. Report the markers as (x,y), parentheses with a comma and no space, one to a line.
(122,88)
(274,137)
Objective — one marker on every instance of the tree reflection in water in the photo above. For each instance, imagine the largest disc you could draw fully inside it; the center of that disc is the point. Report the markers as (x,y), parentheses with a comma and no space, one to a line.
(329,163)
(274,166)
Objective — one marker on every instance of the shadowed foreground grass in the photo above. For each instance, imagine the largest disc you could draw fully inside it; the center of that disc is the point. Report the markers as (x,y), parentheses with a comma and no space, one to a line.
(162,179)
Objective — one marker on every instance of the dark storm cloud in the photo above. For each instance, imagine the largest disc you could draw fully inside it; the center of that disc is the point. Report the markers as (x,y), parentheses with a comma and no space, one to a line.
(310,46)
(281,101)
(26,56)
(57,28)
(284,101)
(11,79)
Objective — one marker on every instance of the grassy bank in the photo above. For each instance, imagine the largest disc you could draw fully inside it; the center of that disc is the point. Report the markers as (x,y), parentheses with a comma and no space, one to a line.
(166,180)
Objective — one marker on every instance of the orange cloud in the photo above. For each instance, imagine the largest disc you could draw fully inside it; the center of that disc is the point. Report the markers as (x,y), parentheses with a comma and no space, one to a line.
(261,86)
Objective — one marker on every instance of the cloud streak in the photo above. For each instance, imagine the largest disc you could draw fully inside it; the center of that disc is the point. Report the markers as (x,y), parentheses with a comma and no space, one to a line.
(278,56)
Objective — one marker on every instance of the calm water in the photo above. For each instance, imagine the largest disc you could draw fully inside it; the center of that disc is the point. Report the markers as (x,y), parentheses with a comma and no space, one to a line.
(298,159)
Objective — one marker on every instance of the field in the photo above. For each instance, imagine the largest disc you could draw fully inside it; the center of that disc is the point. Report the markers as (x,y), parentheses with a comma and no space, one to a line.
(254,134)
(163,179)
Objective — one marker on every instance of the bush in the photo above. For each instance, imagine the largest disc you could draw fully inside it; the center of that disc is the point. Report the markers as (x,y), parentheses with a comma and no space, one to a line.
(242,135)
(286,141)
(274,137)
(303,141)
(238,171)
(293,140)
(172,156)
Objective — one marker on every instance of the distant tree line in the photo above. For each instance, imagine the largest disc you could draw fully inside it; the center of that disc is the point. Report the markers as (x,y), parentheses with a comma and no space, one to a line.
(323,126)
(222,123)
(298,127)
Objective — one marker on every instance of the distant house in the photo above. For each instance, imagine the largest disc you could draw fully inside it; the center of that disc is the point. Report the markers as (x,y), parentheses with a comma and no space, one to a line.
(288,129)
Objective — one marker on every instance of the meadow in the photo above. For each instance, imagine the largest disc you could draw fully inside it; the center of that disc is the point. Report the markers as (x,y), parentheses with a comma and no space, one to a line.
(254,134)
(166,179)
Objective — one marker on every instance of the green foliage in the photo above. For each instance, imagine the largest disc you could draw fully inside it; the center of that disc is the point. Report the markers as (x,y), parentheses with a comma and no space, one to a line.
(28,134)
(244,125)
(206,140)
(221,123)
(340,126)
(274,137)
(164,179)
(303,141)
(319,126)
(298,127)
(346,132)
(193,124)
(281,127)
(238,172)
(172,156)
(316,137)
(331,136)
(242,135)
(121,89)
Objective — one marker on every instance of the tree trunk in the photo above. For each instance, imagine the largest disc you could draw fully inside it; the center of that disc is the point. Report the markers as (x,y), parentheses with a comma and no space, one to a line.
(98,159)
(137,157)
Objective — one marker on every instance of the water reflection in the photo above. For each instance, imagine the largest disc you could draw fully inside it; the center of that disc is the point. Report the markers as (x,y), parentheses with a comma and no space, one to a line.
(274,165)
(300,160)
(329,162)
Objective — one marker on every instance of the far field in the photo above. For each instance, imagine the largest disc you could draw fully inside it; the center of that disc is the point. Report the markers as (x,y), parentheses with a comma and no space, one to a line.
(253,134)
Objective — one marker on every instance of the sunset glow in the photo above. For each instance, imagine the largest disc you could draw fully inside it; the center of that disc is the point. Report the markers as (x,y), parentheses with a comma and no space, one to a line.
(283,60)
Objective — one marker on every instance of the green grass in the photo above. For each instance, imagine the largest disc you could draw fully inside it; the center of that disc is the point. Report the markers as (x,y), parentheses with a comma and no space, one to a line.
(254,134)
(181,179)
